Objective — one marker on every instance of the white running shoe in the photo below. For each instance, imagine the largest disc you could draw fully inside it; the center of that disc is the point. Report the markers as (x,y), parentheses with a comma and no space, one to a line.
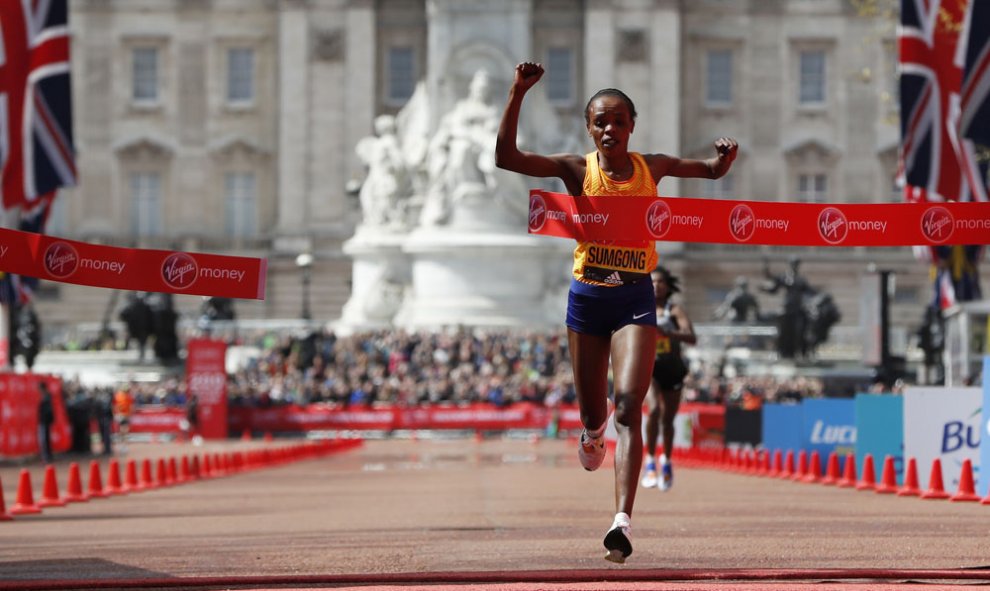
(618,540)
(650,475)
(591,452)
(666,474)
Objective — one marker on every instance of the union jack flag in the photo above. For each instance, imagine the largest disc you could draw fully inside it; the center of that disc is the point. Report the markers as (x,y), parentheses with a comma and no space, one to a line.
(975,123)
(937,164)
(36,149)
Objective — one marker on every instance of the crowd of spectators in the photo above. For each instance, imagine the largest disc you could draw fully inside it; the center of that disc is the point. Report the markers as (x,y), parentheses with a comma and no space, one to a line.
(459,366)
(408,369)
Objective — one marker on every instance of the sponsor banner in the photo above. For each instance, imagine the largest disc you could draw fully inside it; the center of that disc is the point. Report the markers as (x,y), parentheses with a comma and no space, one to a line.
(19,398)
(783,427)
(156,419)
(698,424)
(70,261)
(293,418)
(880,431)
(688,219)
(943,423)
(206,379)
(829,425)
(983,478)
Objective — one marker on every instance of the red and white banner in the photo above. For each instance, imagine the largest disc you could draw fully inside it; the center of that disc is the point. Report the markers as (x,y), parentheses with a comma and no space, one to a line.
(156,419)
(206,379)
(135,269)
(689,219)
(19,398)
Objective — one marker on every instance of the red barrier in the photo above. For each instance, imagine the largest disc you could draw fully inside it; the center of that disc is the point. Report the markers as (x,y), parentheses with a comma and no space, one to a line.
(708,421)
(689,219)
(19,397)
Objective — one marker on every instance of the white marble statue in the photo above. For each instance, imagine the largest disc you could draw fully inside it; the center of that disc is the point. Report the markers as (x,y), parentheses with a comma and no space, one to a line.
(460,157)
(388,182)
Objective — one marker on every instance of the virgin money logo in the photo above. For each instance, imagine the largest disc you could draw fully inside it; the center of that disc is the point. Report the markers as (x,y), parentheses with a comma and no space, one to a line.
(61,260)
(537,213)
(742,223)
(179,270)
(832,225)
(937,224)
(658,219)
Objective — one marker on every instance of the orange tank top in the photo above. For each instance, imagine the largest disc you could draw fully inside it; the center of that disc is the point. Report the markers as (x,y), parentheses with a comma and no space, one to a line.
(615,263)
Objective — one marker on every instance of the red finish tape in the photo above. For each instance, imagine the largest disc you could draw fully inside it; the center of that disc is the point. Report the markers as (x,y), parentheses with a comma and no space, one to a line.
(71,261)
(689,219)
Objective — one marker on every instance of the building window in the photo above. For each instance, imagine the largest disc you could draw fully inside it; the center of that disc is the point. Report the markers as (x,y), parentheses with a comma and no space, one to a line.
(812,188)
(401,74)
(812,77)
(722,188)
(240,75)
(146,199)
(560,75)
(240,204)
(718,77)
(145,75)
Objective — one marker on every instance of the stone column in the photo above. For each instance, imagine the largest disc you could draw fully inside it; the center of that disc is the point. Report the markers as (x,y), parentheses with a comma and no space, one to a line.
(293,118)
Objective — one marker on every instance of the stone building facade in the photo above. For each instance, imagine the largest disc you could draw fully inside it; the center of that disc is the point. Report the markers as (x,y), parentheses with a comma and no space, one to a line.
(230,125)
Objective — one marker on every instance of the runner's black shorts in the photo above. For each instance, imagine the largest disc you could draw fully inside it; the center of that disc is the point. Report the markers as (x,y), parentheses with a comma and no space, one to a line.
(597,310)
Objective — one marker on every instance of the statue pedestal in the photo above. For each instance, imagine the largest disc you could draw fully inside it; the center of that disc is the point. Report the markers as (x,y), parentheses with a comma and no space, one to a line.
(379,275)
(478,279)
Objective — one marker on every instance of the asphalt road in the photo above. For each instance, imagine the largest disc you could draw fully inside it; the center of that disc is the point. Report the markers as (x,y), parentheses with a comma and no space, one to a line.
(404,506)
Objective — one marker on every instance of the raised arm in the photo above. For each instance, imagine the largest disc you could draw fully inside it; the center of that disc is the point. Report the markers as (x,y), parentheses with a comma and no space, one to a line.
(507,153)
(662,165)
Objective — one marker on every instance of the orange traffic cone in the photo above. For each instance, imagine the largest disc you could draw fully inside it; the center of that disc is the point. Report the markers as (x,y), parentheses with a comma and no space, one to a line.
(910,488)
(967,488)
(146,480)
(936,490)
(814,468)
(130,477)
(172,471)
(49,492)
(185,473)
(868,479)
(831,470)
(73,491)
(268,436)
(848,479)
(25,496)
(114,486)
(802,466)
(95,481)
(4,516)
(777,464)
(888,480)
(788,468)
(246,435)
(161,475)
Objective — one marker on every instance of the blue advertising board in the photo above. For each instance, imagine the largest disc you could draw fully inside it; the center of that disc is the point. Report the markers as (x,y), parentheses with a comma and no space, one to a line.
(983,476)
(830,425)
(783,427)
(880,430)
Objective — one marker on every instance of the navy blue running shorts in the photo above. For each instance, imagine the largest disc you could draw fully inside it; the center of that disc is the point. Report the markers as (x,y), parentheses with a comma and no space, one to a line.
(597,310)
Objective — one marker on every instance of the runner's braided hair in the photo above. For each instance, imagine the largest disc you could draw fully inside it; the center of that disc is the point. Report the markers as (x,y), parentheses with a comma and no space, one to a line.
(673,283)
